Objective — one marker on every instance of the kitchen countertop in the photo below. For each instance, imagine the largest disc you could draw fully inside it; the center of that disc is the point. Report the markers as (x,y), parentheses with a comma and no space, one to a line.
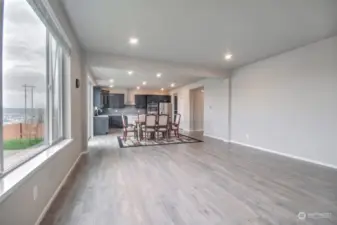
(117,114)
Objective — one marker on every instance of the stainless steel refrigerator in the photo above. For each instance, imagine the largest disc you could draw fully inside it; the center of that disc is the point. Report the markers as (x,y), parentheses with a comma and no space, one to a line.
(165,108)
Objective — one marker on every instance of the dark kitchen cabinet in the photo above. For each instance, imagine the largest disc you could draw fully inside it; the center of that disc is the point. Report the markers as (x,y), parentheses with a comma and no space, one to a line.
(167,98)
(116,121)
(140,101)
(152,98)
(101,125)
(105,98)
(116,101)
(158,98)
(97,97)
(149,99)
(164,98)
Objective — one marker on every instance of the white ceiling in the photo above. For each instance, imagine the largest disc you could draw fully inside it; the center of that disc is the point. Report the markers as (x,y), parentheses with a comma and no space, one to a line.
(199,32)
(122,79)
(108,66)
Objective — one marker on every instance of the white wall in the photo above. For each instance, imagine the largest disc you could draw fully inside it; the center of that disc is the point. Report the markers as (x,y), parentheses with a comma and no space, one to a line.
(216,101)
(197,112)
(183,94)
(19,208)
(288,103)
(216,108)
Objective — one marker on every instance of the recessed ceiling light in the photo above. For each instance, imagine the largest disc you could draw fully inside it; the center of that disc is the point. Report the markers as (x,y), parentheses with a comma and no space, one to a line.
(133,41)
(173,84)
(130,72)
(162,89)
(111,86)
(158,74)
(228,56)
(111,80)
(144,82)
(138,88)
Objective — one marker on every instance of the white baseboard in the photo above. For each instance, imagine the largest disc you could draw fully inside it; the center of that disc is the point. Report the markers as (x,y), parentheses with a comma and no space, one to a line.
(193,130)
(185,130)
(286,155)
(58,189)
(215,137)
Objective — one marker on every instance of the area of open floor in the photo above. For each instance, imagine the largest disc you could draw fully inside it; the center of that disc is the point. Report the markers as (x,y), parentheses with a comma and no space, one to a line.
(212,182)
(168,112)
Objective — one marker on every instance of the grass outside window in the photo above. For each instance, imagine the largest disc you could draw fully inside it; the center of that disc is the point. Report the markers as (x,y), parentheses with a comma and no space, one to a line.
(19,144)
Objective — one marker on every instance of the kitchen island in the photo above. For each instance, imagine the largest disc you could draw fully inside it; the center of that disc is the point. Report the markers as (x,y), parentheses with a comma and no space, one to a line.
(112,118)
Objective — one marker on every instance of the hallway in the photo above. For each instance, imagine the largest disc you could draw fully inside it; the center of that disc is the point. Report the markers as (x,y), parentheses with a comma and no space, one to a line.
(201,183)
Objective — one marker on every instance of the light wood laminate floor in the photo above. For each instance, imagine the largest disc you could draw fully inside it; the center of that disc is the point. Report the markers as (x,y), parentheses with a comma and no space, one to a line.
(198,184)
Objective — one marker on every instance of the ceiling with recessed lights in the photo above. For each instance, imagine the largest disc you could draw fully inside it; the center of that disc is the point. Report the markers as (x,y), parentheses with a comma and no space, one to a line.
(198,33)
(121,78)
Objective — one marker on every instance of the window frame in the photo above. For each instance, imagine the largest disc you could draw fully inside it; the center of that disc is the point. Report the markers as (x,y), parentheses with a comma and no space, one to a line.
(50,90)
(48,121)
(2,164)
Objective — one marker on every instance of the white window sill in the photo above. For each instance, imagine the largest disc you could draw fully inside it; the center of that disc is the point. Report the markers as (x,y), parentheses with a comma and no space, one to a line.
(13,179)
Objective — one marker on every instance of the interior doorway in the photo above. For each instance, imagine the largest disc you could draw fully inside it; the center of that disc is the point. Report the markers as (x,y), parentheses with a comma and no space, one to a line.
(197,109)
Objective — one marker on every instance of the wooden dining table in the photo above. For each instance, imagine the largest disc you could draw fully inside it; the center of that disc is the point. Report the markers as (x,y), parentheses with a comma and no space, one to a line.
(140,131)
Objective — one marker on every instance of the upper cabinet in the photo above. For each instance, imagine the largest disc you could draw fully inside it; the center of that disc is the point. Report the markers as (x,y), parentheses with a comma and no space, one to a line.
(140,101)
(105,98)
(116,101)
(102,98)
(97,97)
(165,98)
(151,98)
(158,98)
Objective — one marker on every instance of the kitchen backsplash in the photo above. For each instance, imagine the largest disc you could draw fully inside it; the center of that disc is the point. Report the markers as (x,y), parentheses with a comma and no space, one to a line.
(127,110)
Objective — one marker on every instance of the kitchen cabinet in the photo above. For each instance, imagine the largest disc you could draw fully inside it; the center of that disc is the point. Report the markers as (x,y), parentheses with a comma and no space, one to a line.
(151,99)
(101,125)
(140,101)
(157,98)
(164,98)
(97,97)
(116,101)
(115,121)
(105,98)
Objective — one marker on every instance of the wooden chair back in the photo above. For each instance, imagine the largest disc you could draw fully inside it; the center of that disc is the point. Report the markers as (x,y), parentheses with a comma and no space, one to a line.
(150,120)
(163,120)
(177,119)
(124,121)
(141,118)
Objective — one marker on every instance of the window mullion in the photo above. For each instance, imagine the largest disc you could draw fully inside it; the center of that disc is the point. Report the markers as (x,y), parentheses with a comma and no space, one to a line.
(60,97)
(51,93)
(48,70)
(1,99)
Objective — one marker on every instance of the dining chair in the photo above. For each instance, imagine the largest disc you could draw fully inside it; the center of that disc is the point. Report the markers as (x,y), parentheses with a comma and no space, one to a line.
(141,123)
(141,119)
(150,125)
(162,125)
(128,128)
(175,125)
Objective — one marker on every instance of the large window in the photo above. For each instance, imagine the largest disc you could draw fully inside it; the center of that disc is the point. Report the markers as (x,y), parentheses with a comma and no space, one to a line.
(32,85)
